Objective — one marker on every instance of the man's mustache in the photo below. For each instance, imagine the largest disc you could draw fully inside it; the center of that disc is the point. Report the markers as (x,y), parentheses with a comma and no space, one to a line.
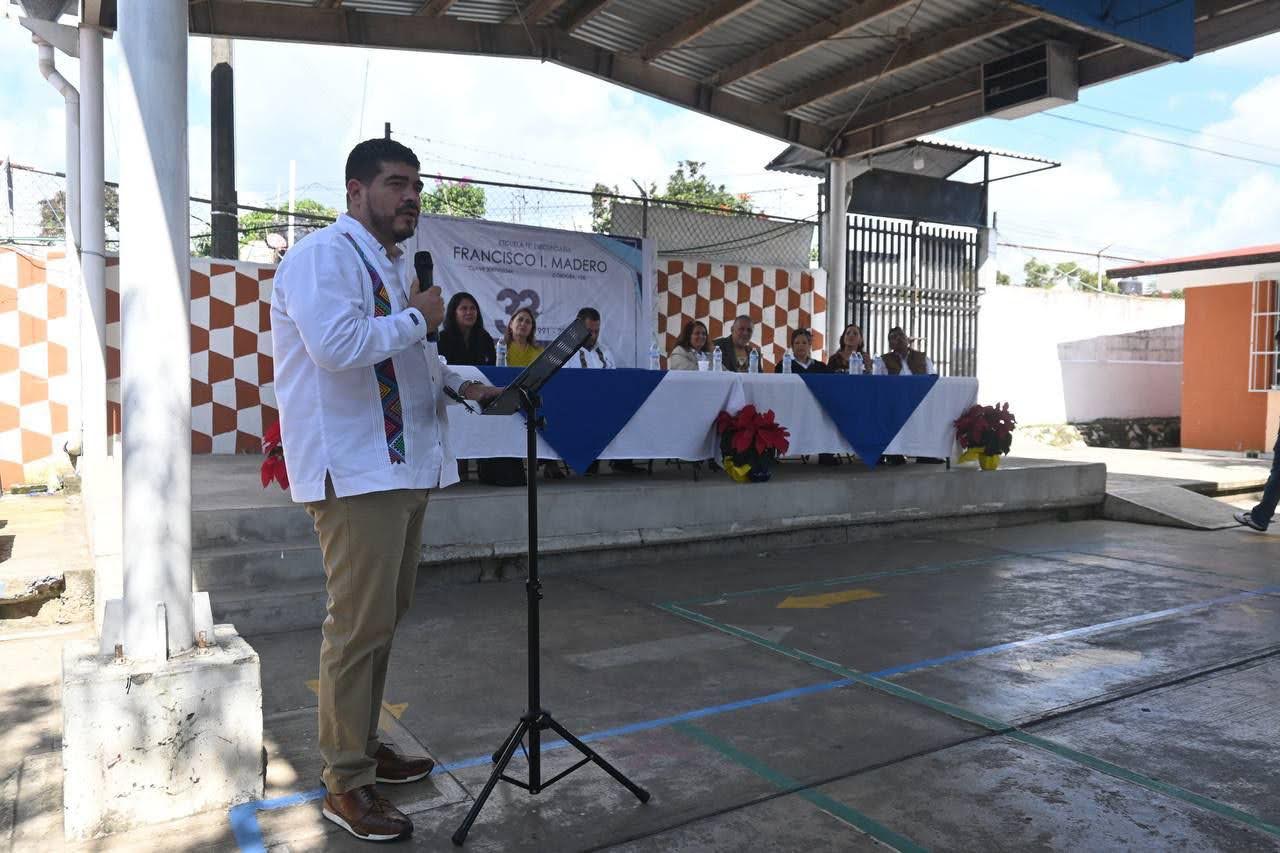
(413,208)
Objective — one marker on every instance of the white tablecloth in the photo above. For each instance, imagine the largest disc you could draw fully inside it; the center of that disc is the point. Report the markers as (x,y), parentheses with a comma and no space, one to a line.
(676,422)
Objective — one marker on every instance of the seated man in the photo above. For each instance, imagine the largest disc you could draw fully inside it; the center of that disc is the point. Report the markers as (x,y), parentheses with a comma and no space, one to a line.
(901,359)
(592,353)
(736,347)
(802,354)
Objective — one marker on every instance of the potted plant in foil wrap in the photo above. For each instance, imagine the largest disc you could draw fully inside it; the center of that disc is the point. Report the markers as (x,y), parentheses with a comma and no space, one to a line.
(985,433)
(750,442)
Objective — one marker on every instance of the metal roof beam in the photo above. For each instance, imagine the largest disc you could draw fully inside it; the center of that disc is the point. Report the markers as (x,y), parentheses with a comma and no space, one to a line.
(909,54)
(234,19)
(535,11)
(584,11)
(435,8)
(857,16)
(690,28)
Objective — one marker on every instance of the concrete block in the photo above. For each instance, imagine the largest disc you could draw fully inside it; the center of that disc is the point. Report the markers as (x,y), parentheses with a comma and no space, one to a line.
(151,741)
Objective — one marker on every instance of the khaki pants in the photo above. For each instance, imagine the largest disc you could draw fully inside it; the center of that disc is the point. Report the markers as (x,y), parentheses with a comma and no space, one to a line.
(371,546)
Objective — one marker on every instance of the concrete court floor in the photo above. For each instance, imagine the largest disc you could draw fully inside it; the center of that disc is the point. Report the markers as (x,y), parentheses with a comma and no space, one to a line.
(1085,686)
(1081,686)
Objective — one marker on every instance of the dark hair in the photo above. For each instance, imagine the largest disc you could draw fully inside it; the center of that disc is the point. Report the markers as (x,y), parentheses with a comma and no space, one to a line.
(589,313)
(686,336)
(451,313)
(460,348)
(366,159)
(801,332)
(533,332)
(840,340)
(897,330)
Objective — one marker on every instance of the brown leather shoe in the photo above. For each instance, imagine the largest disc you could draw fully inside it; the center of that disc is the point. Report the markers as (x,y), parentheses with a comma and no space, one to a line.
(367,815)
(396,769)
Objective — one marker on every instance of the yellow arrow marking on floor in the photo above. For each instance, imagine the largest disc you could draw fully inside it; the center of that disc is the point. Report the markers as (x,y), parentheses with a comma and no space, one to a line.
(397,710)
(823,600)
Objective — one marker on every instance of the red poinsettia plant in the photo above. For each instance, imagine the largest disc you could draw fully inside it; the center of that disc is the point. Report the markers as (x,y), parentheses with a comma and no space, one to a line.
(273,465)
(987,429)
(750,442)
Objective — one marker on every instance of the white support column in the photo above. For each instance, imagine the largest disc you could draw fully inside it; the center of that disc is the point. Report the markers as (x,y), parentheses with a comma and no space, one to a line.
(71,215)
(93,264)
(835,245)
(155,342)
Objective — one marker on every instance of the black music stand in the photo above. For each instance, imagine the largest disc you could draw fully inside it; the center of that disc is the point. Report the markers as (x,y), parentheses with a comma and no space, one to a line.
(522,395)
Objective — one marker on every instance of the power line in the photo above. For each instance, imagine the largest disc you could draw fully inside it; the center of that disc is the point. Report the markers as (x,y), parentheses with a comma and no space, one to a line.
(1179,127)
(1173,142)
(1077,252)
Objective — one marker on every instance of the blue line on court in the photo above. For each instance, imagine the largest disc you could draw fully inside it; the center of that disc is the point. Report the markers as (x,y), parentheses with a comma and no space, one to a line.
(248,833)
(1075,632)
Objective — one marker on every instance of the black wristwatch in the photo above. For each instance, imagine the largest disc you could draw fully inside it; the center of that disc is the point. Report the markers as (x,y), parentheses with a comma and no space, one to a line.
(433,336)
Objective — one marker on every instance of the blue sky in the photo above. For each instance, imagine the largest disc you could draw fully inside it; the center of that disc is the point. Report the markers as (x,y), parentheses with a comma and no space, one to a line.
(541,124)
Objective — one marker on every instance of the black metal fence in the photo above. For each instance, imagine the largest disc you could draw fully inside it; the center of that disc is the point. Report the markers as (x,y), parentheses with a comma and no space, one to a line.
(922,277)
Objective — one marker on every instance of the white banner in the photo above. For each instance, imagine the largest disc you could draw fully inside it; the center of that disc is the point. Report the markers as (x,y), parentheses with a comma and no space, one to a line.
(555,273)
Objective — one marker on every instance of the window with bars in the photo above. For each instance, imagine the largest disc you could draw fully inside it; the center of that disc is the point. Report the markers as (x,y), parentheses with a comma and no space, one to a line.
(1264,333)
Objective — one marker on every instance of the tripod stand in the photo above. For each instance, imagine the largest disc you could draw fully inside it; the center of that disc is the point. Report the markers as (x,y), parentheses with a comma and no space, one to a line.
(536,719)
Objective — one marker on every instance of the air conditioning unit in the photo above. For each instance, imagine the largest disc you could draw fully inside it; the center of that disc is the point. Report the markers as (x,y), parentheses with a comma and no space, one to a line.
(1030,81)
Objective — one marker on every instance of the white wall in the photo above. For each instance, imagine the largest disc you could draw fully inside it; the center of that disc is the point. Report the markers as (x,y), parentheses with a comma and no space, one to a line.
(1061,355)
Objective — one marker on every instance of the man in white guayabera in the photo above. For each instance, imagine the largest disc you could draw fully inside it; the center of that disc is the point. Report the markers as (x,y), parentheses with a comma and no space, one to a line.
(362,397)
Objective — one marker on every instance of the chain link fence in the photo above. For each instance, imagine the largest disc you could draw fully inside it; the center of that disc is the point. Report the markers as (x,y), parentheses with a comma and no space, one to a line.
(32,212)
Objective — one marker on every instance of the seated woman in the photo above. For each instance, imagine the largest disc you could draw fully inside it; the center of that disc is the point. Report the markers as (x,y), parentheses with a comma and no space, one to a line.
(852,347)
(463,339)
(521,339)
(694,341)
(522,349)
(802,354)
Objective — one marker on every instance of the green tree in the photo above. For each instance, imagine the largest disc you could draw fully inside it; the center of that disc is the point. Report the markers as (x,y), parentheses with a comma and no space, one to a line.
(455,198)
(602,207)
(53,212)
(689,183)
(1037,274)
(1002,279)
(257,224)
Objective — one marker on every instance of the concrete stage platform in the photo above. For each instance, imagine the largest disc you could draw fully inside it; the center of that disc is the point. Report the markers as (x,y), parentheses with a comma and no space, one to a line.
(257,556)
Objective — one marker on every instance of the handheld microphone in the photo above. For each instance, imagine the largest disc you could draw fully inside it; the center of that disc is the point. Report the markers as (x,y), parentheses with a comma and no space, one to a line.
(425,268)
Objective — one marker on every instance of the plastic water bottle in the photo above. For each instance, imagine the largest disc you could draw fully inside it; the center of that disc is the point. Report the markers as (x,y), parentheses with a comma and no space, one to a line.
(655,356)
(787,359)
(717,361)
(502,353)
(753,362)
(855,364)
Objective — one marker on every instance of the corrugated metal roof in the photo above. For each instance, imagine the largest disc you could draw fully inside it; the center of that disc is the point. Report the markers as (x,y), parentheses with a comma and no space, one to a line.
(626,26)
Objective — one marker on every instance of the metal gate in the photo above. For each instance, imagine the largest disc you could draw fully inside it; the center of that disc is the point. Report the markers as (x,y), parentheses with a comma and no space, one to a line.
(922,277)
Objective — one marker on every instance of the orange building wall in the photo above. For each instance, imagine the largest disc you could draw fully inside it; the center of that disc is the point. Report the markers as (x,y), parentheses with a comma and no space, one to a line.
(1218,410)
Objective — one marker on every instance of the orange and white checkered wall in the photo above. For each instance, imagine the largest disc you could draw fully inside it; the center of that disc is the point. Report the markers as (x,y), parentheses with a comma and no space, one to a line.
(232,382)
(778,300)
(34,375)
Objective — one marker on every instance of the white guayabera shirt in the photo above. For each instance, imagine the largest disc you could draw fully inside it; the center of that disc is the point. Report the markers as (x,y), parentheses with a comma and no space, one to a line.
(328,338)
(597,358)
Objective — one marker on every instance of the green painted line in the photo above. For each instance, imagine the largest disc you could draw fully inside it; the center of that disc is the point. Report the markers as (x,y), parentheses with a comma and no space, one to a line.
(890,687)
(1115,770)
(991,724)
(859,821)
